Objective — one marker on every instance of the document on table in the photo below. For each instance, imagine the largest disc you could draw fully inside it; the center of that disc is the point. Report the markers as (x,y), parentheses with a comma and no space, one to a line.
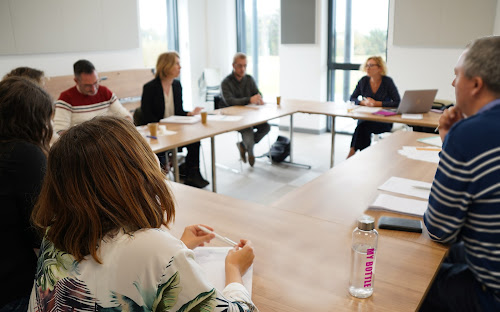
(402,205)
(366,109)
(224,118)
(434,140)
(212,261)
(421,153)
(162,130)
(182,119)
(407,187)
(412,116)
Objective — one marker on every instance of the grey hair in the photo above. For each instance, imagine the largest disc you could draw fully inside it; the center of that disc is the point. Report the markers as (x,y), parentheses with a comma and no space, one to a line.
(239,55)
(482,59)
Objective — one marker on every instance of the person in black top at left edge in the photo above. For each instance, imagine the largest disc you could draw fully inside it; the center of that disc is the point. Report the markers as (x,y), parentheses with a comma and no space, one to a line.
(25,133)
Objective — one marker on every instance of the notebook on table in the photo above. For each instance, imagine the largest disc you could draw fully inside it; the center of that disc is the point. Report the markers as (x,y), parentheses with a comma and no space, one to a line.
(417,101)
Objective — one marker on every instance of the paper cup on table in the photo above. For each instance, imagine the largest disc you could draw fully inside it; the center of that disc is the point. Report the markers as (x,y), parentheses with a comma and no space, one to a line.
(153,128)
(278,100)
(203,117)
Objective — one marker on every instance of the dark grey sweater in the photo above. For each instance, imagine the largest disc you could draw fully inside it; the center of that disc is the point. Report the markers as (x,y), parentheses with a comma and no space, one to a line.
(236,92)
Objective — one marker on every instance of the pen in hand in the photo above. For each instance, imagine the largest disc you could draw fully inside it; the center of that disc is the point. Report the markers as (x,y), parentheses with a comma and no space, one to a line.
(225,239)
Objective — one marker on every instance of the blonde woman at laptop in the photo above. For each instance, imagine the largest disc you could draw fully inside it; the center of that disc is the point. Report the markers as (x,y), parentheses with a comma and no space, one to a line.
(377,90)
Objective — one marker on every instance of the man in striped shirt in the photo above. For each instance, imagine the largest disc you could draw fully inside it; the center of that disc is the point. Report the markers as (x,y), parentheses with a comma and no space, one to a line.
(86,99)
(464,204)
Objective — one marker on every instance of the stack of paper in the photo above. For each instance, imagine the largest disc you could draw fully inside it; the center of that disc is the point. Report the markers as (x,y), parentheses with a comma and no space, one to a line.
(407,187)
(212,260)
(434,141)
(224,118)
(412,116)
(400,205)
(366,109)
(421,153)
(182,119)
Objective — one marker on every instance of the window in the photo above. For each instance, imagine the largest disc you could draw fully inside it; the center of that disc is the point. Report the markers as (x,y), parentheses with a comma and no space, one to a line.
(357,29)
(258,31)
(158,29)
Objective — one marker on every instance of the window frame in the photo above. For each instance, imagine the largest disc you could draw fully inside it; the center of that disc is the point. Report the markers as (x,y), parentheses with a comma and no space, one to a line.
(332,66)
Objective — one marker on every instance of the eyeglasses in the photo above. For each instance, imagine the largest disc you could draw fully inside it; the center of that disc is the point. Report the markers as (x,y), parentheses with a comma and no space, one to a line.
(371,65)
(90,86)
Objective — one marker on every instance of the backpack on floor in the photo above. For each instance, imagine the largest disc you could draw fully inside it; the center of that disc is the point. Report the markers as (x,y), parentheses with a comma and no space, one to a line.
(280,149)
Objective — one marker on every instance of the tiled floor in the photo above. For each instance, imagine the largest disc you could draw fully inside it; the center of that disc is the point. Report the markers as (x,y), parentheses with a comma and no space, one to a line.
(266,182)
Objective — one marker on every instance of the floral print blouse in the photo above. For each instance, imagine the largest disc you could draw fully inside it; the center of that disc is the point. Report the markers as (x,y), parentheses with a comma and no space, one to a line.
(149,270)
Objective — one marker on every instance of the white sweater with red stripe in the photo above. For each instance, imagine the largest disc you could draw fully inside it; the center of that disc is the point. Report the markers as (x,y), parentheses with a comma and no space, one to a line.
(73,108)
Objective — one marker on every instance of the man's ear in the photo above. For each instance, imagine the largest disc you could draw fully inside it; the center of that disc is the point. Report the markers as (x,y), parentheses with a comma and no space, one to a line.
(76,80)
(478,85)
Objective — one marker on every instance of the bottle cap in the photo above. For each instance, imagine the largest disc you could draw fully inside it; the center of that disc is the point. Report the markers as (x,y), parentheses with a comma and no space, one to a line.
(366,223)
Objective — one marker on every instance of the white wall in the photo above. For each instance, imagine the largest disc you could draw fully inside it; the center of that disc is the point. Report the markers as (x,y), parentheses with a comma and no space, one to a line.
(421,68)
(207,34)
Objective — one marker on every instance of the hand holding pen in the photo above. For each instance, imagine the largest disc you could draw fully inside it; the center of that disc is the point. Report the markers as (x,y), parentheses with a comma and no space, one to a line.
(222,238)
(194,237)
(238,259)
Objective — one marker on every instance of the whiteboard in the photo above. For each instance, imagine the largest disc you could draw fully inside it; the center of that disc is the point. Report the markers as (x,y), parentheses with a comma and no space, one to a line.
(58,26)
(442,23)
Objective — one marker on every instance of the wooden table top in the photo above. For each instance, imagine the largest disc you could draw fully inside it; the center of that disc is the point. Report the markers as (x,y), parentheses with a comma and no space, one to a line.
(251,116)
(190,133)
(344,192)
(429,119)
(302,263)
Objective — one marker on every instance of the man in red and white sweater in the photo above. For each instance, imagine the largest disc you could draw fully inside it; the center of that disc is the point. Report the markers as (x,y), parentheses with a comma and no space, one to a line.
(86,99)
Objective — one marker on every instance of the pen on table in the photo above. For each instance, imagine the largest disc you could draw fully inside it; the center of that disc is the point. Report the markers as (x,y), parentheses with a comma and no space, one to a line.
(225,239)
(152,137)
(421,187)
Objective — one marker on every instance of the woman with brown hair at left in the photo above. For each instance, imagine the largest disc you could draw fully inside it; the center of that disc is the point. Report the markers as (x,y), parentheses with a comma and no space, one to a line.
(25,133)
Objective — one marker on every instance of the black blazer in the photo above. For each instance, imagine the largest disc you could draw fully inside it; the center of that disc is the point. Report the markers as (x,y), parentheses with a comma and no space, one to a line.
(153,100)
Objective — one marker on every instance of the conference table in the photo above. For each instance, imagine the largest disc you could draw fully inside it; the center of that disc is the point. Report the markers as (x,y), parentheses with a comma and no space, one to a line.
(252,115)
(429,119)
(303,241)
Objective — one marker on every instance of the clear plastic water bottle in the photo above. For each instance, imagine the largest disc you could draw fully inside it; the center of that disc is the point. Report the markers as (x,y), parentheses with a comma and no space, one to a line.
(364,249)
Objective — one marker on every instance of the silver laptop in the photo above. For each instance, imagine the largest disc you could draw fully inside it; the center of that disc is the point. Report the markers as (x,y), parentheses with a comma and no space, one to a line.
(417,101)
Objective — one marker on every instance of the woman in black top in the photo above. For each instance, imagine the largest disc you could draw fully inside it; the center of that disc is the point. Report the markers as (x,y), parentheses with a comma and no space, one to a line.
(25,133)
(162,97)
(376,90)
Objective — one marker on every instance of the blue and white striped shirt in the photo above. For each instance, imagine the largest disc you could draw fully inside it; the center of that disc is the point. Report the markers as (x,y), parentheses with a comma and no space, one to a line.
(464,203)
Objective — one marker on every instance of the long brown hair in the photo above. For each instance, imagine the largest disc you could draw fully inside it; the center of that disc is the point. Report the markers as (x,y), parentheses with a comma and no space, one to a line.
(25,111)
(102,176)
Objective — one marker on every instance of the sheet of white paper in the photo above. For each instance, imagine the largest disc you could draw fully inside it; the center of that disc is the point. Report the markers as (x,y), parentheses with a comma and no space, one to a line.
(414,152)
(254,106)
(162,130)
(412,116)
(182,119)
(366,109)
(407,187)
(399,204)
(223,118)
(435,141)
(212,260)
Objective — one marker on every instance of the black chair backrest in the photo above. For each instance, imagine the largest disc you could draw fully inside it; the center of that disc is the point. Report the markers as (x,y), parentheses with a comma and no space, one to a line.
(219,102)
(138,117)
